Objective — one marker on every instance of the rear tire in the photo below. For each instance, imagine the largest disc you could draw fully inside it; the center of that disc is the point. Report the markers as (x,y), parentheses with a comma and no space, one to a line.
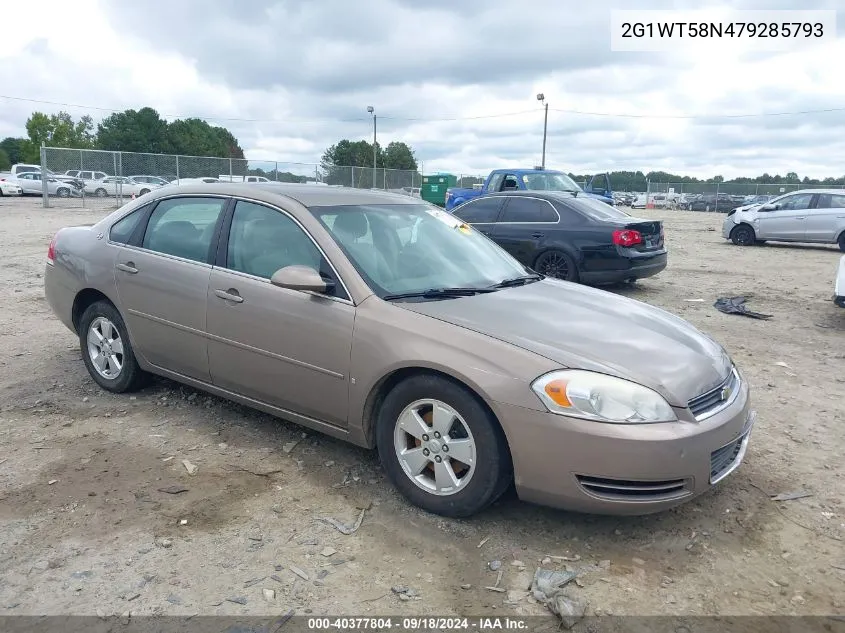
(106,350)
(842,242)
(101,193)
(742,235)
(420,467)
(144,191)
(557,264)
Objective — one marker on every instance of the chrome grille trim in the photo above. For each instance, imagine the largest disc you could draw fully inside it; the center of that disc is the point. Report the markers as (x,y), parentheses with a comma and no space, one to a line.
(712,402)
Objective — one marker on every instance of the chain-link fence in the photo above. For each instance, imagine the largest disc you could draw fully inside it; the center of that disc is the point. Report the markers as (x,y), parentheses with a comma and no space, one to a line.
(715,196)
(103,179)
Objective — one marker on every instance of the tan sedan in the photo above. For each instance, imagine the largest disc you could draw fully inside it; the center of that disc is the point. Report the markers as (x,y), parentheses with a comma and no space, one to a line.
(383,320)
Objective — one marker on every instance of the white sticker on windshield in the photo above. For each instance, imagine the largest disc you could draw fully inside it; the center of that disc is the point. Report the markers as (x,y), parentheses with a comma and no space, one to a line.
(444,217)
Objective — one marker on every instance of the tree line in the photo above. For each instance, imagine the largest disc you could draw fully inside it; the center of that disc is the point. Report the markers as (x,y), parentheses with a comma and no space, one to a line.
(638,181)
(141,130)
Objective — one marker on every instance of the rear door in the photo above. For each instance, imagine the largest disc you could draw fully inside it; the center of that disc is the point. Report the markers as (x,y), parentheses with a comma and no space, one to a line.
(826,218)
(524,225)
(788,221)
(481,213)
(162,276)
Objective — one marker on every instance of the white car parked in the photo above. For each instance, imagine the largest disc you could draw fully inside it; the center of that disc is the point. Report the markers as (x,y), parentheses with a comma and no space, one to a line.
(30,184)
(839,284)
(10,188)
(118,185)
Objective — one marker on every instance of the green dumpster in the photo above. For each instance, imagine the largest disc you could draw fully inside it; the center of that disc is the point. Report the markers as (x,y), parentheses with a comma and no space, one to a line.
(434,187)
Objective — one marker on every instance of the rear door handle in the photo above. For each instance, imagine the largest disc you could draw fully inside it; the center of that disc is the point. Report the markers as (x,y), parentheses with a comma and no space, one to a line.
(230,295)
(537,236)
(801,218)
(128,267)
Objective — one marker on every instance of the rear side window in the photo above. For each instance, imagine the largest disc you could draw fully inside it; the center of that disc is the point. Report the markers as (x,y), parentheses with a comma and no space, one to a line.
(530,210)
(831,201)
(184,227)
(121,231)
(480,211)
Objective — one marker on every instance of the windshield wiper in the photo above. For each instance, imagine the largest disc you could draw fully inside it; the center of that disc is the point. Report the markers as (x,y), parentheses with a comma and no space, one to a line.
(437,293)
(517,281)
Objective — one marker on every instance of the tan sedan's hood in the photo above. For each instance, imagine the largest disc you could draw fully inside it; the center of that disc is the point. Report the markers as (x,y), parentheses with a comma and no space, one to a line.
(584,328)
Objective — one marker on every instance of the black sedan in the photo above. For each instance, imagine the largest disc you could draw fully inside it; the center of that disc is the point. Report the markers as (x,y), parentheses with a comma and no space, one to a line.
(568,236)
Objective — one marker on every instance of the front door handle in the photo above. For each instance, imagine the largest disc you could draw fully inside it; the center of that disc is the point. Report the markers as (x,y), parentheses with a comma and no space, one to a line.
(229,295)
(801,218)
(128,267)
(537,236)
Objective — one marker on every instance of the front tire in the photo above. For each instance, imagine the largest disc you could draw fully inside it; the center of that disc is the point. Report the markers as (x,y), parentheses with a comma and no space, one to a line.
(842,242)
(743,235)
(63,192)
(557,264)
(441,448)
(101,193)
(106,349)
(144,192)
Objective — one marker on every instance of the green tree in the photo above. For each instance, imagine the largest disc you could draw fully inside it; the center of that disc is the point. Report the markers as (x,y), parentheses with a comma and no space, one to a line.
(5,163)
(14,148)
(195,137)
(60,130)
(134,131)
(398,155)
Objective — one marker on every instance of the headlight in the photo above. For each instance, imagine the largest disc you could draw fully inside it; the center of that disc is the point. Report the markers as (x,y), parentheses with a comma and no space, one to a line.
(594,396)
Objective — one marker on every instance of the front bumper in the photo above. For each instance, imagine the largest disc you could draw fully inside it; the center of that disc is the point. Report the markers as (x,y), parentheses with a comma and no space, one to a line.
(623,469)
(727,226)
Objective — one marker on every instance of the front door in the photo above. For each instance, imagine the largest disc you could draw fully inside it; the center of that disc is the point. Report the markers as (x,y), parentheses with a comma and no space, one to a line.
(481,213)
(162,281)
(286,348)
(787,221)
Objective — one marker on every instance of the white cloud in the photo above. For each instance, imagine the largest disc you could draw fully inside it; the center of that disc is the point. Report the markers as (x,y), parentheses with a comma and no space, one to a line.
(304,72)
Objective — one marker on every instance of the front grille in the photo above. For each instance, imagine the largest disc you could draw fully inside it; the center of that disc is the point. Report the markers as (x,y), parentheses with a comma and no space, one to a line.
(723,458)
(629,490)
(716,399)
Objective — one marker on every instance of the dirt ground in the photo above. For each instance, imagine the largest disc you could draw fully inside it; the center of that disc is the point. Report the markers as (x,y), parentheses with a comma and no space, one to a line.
(86,528)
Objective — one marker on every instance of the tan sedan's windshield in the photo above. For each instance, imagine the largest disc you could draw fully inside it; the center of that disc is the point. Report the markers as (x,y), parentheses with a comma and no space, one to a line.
(413,248)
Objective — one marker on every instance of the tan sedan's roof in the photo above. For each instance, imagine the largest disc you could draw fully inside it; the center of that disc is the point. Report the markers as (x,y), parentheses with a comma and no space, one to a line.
(307,195)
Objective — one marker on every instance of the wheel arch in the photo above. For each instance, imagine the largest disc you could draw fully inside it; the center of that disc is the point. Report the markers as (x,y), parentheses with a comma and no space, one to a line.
(83,300)
(386,383)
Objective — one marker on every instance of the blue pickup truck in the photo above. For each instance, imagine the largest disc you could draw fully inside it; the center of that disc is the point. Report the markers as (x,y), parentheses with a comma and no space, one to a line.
(532,180)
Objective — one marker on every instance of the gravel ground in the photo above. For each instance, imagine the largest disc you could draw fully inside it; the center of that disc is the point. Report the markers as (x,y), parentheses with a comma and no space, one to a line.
(87,529)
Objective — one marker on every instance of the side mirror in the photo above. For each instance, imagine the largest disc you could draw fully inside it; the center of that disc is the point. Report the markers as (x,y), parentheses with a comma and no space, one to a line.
(303,278)
(769,207)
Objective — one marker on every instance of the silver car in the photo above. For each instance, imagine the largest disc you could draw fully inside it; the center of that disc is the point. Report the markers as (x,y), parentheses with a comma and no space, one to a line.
(809,215)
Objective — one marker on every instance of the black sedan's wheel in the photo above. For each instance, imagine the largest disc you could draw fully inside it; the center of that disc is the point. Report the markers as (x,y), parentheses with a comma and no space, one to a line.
(106,349)
(742,235)
(441,448)
(557,264)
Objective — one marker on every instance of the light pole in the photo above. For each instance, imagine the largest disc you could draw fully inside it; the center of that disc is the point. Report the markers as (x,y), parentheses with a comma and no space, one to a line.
(372,111)
(542,99)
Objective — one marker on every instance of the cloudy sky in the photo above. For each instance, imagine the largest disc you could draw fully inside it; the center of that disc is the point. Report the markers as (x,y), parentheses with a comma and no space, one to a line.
(291,77)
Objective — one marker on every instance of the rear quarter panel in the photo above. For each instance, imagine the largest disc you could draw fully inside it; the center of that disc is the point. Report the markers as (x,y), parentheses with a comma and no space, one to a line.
(83,259)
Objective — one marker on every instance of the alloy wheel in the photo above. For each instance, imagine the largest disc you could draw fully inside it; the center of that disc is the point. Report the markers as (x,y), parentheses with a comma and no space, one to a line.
(435,447)
(105,348)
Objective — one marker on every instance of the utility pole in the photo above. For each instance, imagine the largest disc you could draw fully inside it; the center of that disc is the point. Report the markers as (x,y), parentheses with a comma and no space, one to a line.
(542,98)
(372,111)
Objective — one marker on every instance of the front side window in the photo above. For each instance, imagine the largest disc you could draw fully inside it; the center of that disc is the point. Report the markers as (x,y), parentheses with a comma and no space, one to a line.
(798,202)
(183,227)
(263,240)
(438,251)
